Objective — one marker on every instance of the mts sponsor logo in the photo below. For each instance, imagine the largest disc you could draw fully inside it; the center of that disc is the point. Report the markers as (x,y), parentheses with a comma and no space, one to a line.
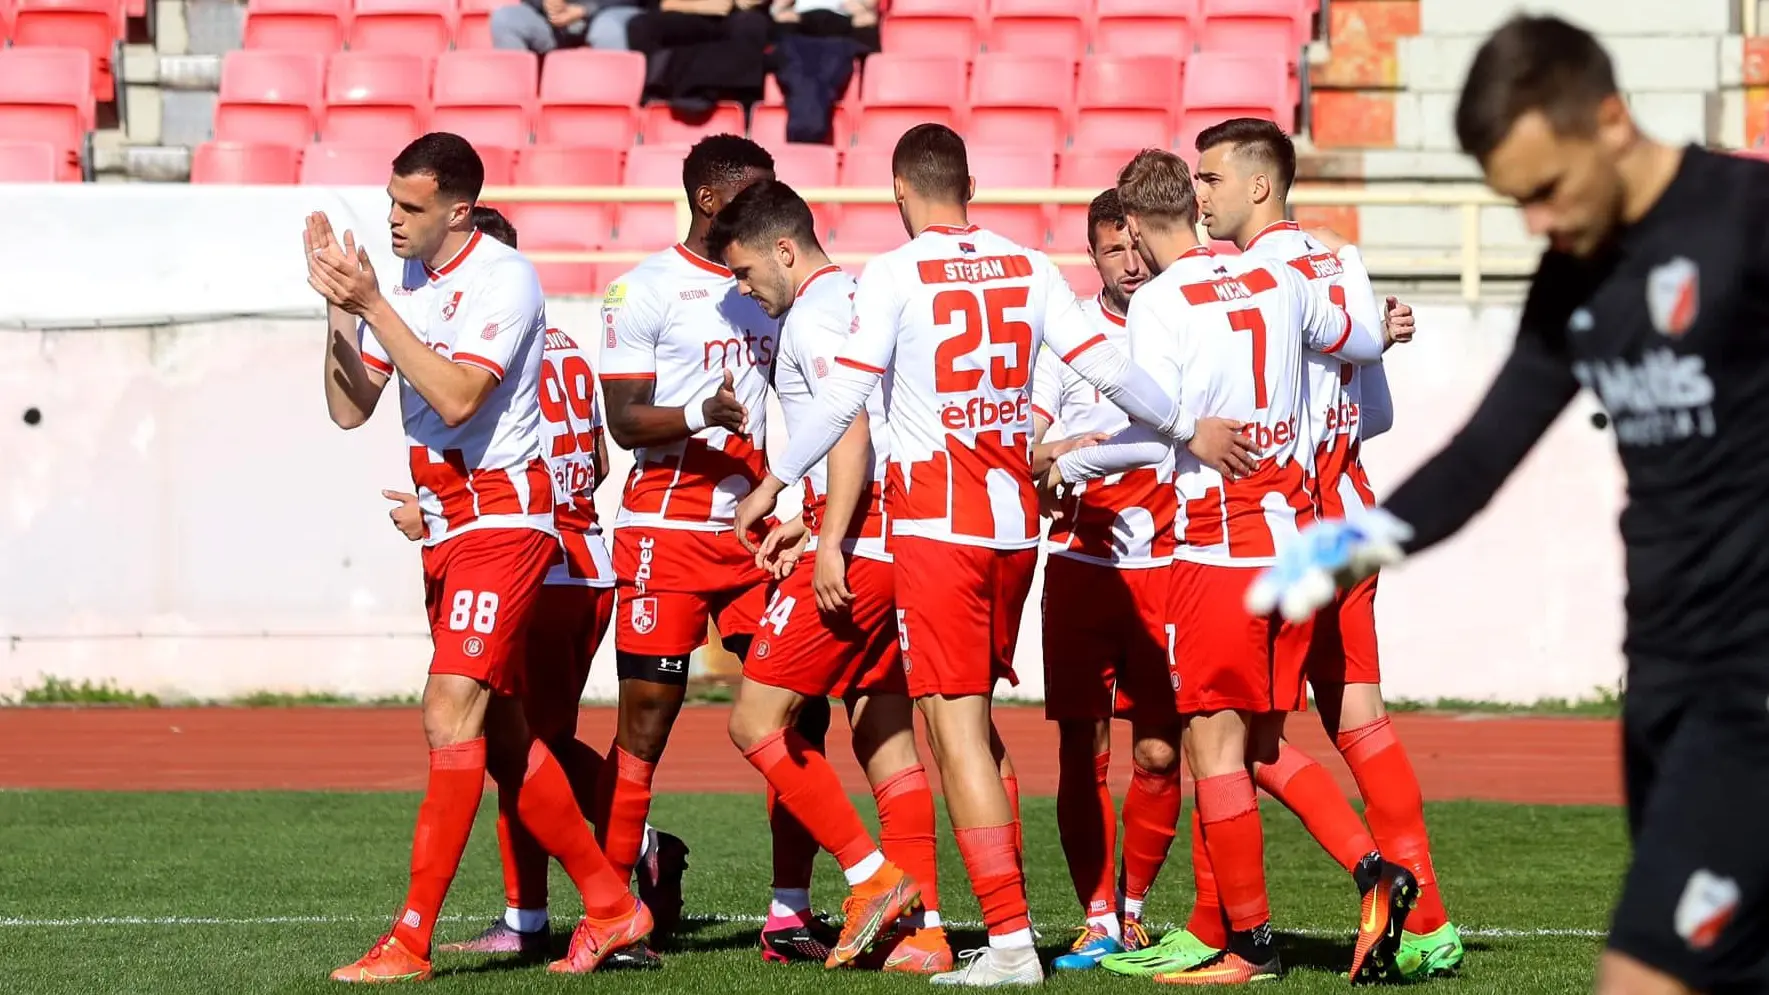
(981,412)
(1269,437)
(734,352)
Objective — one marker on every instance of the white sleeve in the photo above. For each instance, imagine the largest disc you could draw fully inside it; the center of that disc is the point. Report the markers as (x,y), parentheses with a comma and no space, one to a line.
(632,319)
(1375,403)
(1327,328)
(1086,351)
(1047,386)
(374,355)
(498,313)
(1136,446)
(818,340)
(872,342)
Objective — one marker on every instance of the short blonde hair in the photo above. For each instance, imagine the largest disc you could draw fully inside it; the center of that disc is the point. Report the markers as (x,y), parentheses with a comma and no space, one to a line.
(1157,186)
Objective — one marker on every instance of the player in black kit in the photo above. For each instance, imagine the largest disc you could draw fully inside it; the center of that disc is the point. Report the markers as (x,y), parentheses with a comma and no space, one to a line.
(1654,294)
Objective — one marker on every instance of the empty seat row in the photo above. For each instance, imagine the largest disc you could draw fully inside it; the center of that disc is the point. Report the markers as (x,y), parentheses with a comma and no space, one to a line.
(417,26)
(46,96)
(983,10)
(1115,36)
(96,27)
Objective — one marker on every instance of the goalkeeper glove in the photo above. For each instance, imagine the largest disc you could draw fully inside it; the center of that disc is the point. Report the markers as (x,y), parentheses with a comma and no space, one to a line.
(1326,556)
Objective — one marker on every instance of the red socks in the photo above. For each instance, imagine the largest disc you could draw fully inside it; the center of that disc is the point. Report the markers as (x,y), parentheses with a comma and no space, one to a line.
(1206,923)
(991,857)
(1087,826)
(623,801)
(549,811)
(1396,811)
(1229,810)
(807,787)
(1151,813)
(524,861)
(445,819)
(1305,788)
(1011,784)
(906,829)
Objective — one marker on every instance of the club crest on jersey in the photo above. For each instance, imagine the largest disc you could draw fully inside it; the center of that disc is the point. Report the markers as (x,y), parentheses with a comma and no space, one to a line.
(473,646)
(1673,292)
(644,616)
(454,303)
(490,331)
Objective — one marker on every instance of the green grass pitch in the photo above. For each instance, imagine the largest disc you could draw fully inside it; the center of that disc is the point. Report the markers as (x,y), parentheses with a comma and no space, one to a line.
(267,892)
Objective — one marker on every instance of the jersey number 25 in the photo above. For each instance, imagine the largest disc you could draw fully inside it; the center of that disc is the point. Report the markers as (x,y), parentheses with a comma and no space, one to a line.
(967,306)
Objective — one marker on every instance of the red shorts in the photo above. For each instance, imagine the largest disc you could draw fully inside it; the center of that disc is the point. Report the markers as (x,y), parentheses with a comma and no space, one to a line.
(1343,650)
(569,623)
(802,649)
(958,613)
(480,590)
(1224,657)
(688,578)
(1106,647)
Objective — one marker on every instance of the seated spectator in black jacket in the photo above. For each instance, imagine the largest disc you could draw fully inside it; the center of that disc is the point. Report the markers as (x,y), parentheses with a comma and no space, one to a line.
(699,52)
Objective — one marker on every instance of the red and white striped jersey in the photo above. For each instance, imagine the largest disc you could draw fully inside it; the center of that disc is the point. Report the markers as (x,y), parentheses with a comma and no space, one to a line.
(483,308)
(571,420)
(955,318)
(1335,389)
(677,319)
(812,334)
(1123,520)
(1230,332)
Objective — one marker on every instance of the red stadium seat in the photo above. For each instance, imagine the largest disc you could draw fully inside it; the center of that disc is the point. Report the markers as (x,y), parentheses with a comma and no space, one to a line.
(1021,100)
(767,127)
(296,25)
(660,124)
(46,96)
(867,227)
(1126,101)
(804,167)
(374,97)
(93,25)
(956,37)
(651,226)
(571,166)
(500,164)
(269,97)
(587,97)
(1039,27)
(242,162)
(6,18)
(1255,26)
(976,10)
(900,91)
(1183,9)
(1089,169)
(1008,169)
(28,162)
(1221,85)
(474,27)
(417,27)
(352,164)
(1142,36)
(1083,280)
(486,96)
(572,279)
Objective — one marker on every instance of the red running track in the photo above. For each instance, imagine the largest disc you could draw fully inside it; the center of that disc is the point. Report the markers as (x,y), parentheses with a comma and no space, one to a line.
(1502,758)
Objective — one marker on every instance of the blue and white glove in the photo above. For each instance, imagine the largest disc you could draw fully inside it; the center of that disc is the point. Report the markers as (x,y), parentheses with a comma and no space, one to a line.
(1326,556)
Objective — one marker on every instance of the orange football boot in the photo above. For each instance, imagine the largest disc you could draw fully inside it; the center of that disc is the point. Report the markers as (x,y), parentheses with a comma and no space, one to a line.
(595,939)
(387,961)
(873,905)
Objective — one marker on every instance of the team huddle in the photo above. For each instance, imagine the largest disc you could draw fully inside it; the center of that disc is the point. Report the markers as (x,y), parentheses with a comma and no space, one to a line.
(1176,432)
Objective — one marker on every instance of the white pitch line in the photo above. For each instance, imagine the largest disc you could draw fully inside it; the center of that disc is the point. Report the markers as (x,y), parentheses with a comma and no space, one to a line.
(91,922)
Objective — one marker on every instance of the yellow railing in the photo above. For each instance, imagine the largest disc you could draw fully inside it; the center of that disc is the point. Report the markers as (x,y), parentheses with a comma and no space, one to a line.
(1468,264)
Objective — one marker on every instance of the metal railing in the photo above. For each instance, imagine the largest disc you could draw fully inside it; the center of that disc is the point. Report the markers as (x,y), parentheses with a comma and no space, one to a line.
(1468,264)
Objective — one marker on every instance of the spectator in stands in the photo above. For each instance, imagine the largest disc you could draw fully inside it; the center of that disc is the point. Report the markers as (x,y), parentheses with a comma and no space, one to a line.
(814,60)
(698,52)
(540,26)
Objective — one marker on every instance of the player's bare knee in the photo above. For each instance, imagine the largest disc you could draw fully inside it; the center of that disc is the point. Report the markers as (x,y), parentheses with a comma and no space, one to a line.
(454,709)
(1216,743)
(647,712)
(1157,751)
(1360,705)
(758,715)
(1619,974)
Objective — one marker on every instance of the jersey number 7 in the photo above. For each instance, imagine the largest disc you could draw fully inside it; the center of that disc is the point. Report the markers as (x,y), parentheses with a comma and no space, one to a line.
(1005,372)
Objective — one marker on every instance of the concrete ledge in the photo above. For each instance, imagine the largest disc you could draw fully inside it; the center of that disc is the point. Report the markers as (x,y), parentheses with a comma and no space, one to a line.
(1619,17)
(1439,63)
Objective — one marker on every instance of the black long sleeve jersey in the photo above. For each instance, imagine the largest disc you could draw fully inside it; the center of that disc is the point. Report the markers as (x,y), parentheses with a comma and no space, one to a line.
(1670,329)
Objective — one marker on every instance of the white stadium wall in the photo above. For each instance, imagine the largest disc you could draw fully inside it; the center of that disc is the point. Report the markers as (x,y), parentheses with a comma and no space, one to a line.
(183,519)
